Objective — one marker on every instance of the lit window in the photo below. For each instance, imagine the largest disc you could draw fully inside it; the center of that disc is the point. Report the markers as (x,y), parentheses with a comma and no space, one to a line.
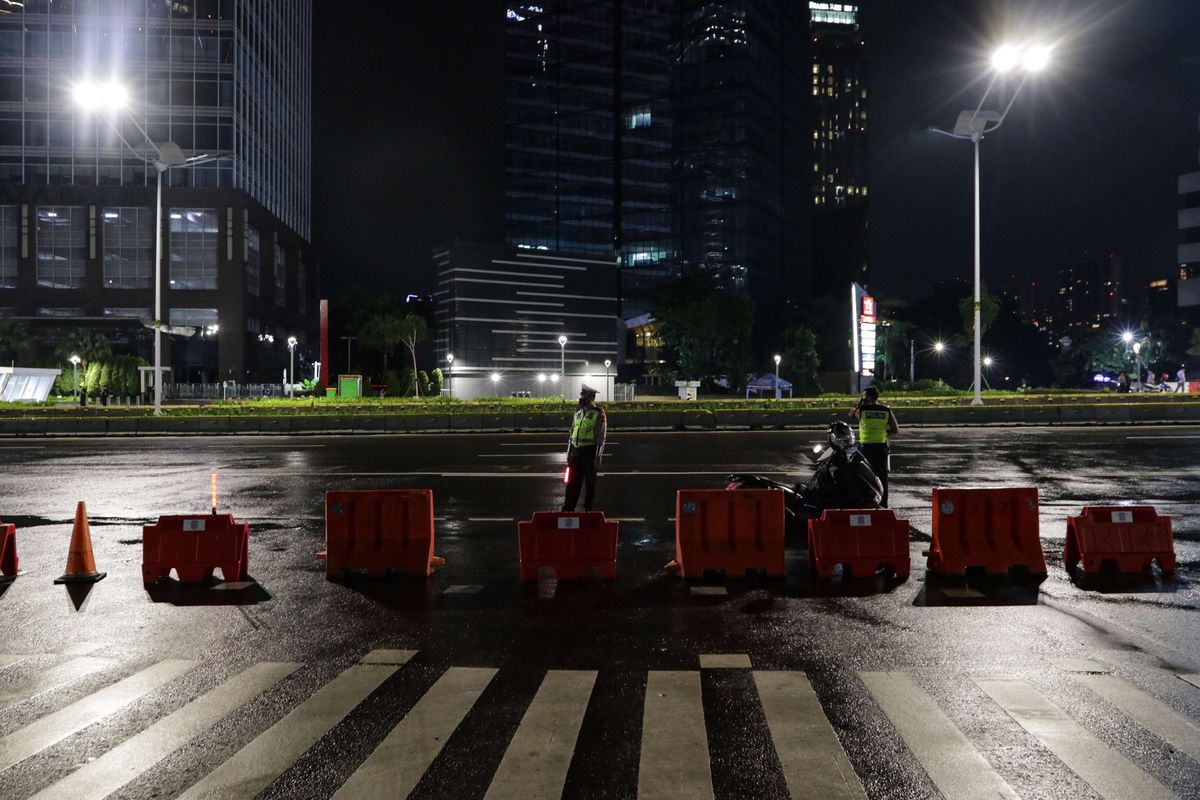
(253,262)
(195,317)
(639,118)
(128,248)
(193,248)
(61,246)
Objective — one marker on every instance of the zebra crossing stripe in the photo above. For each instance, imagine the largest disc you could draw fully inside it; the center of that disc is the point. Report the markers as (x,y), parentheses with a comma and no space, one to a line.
(1109,773)
(48,730)
(674,760)
(814,763)
(397,764)
(1151,713)
(535,764)
(255,766)
(134,756)
(45,680)
(953,764)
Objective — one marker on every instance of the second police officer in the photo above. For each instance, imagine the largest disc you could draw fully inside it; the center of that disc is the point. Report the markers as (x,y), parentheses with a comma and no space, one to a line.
(876,423)
(585,449)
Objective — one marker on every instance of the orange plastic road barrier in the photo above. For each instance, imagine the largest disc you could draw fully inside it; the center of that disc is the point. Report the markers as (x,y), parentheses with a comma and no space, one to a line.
(8,552)
(573,545)
(863,542)
(81,564)
(728,530)
(378,533)
(1128,538)
(194,545)
(995,530)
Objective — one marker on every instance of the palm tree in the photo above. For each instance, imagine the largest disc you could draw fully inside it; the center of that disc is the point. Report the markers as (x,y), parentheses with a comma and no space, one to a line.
(382,331)
(89,345)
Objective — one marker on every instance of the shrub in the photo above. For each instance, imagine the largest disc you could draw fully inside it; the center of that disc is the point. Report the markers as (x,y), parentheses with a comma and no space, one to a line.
(436,382)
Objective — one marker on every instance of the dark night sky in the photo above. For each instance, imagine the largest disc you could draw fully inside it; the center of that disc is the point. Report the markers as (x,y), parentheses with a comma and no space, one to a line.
(408,137)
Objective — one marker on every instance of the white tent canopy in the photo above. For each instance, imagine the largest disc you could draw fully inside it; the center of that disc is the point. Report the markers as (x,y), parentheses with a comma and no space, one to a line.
(26,384)
(766,383)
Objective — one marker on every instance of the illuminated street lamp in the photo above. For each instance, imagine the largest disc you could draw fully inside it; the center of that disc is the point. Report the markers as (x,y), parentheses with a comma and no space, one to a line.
(75,375)
(974,125)
(562,344)
(450,371)
(292,372)
(777,392)
(607,389)
(108,98)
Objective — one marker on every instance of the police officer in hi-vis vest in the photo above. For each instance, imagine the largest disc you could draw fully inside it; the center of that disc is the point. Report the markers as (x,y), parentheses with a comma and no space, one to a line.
(585,450)
(876,423)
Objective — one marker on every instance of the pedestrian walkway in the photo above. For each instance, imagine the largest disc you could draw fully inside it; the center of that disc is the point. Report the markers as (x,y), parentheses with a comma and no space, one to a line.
(681,754)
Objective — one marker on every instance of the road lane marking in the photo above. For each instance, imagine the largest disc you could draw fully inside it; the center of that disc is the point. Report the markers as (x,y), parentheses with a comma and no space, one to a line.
(119,766)
(491,519)
(724,661)
(674,759)
(536,761)
(255,766)
(1109,773)
(398,763)
(435,474)
(1151,713)
(556,454)
(607,443)
(814,764)
(47,679)
(396,657)
(953,764)
(708,591)
(1194,680)
(48,730)
(463,588)
(626,519)
(1178,436)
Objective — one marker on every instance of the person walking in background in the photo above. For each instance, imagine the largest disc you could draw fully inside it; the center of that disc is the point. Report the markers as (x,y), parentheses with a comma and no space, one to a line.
(584,450)
(876,423)
(1181,379)
(1122,383)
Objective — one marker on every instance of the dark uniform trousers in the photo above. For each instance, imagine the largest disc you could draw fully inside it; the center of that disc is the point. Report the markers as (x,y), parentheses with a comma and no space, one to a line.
(583,471)
(877,457)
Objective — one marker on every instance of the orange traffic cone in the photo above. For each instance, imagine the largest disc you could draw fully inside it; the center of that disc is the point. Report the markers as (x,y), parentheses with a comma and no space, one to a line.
(81,564)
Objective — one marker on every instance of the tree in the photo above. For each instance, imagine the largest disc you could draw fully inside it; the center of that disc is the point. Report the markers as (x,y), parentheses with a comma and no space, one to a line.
(89,345)
(803,363)
(891,349)
(412,330)
(381,331)
(13,337)
(705,329)
(436,381)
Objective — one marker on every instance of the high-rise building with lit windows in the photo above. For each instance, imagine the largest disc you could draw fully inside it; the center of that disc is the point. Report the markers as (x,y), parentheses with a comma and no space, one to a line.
(666,134)
(1189,246)
(227,80)
(839,174)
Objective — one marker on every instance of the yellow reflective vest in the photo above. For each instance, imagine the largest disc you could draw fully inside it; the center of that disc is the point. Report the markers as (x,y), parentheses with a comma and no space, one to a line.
(583,429)
(873,423)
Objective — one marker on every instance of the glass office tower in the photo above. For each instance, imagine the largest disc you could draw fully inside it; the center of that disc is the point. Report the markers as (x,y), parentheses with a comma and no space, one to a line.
(227,77)
(664,133)
(839,176)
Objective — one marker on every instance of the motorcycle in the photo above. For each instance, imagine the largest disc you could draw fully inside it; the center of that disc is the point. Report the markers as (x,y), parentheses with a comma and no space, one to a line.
(843,479)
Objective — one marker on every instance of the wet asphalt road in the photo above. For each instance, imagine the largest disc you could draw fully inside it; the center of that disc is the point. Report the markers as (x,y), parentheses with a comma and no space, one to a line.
(938,641)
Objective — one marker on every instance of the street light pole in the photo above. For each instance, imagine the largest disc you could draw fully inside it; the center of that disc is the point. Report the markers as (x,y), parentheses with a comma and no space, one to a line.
(291,342)
(450,370)
(75,375)
(974,125)
(562,366)
(111,97)
(778,394)
(349,366)
(607,391)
